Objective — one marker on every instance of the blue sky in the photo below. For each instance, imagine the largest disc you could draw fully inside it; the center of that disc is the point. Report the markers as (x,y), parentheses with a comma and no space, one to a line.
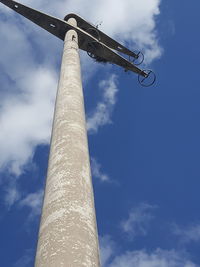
(144,142)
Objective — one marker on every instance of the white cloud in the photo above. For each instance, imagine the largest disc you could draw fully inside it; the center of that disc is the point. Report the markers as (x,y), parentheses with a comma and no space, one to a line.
(141,258)
(187,234)
(138,220)
(26,119)
(96,171)
(26,260)
(102,114)
(158,258)
(12,195)
(107,249)
(34,202)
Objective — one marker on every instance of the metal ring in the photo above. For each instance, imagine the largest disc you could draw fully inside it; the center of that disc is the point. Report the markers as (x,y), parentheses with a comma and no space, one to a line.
(139,60)
(144,80)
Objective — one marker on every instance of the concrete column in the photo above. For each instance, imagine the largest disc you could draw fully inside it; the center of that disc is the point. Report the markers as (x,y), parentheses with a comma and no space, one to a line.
(68,233)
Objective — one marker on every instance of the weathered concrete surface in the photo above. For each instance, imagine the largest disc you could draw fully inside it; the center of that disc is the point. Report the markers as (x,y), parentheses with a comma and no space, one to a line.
(68,234)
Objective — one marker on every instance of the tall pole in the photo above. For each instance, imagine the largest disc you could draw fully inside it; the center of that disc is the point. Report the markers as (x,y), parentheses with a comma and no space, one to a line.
(68,232)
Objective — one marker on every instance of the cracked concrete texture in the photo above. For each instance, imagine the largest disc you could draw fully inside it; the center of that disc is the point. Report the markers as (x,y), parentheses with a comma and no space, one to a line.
(68,232)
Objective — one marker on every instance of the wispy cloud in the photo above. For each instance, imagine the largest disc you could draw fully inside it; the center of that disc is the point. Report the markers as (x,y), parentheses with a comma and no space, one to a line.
(102,114)
(107,249)
(141,258)
(33,201)
(188,234)
(12,195)
(138,221)
(96,171)
(159,257)
(26,260)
